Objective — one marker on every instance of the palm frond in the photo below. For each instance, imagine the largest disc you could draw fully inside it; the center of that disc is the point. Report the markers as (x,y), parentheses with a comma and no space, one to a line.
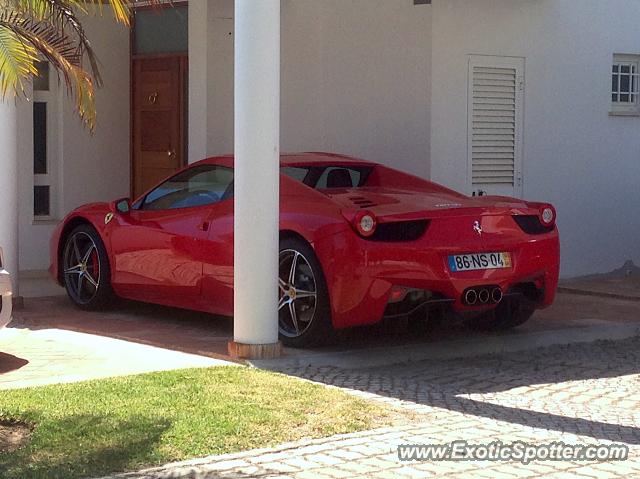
(63,14)
(52,29)
(60,51)
(16,60)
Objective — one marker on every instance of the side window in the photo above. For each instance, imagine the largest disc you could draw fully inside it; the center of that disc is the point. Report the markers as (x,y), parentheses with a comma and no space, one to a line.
(339,177)
(295,172)
(198,186)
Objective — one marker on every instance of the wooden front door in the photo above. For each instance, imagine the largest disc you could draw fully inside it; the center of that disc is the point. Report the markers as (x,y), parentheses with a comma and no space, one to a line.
(158,120)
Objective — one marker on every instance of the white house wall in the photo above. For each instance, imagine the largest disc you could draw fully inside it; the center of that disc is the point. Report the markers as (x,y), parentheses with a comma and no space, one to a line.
(355,79)
(575,155)
(91,167)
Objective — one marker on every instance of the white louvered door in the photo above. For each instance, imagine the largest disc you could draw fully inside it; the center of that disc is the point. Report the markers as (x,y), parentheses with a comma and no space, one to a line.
(495,110)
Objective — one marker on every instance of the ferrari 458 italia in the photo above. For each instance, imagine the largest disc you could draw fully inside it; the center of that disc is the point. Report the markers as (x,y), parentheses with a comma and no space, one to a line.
(359,241)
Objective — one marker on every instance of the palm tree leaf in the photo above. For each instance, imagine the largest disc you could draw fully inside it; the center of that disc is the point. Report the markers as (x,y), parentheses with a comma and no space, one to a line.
(52,29)
(62,15)
(16,60)
(57,49)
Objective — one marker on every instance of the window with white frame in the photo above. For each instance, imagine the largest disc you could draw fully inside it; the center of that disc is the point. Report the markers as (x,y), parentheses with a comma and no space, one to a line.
(45,143)
(625,84)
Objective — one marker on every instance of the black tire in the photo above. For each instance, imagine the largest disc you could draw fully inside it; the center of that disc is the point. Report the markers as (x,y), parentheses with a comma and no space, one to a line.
(85,268)
(508,314)
(303,321)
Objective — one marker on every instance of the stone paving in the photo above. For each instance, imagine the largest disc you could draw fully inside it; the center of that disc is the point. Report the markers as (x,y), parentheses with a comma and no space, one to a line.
(587,393)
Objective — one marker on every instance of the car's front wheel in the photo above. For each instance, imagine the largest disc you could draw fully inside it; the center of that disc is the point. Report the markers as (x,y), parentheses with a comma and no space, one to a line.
(86,270)
(304,317)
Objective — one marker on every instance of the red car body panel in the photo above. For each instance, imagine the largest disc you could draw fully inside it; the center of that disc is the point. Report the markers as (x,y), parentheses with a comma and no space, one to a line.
(184,257)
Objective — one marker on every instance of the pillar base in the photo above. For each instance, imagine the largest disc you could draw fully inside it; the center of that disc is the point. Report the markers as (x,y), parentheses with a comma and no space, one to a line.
(17,302)
(255,351)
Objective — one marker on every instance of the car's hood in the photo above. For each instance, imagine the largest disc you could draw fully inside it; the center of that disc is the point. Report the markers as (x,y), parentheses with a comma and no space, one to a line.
(395,204)
(93,208)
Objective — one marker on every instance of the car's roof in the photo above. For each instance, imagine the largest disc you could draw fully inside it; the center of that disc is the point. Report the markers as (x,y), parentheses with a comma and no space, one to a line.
(298,159)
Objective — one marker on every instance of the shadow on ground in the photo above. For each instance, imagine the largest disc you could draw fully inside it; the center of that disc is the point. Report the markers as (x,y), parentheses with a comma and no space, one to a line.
(559,388)
(208,335)
(75,454)
(9,362)
(163,327)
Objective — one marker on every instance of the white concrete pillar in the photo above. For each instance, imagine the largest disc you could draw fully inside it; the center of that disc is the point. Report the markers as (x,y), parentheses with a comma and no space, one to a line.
(9,187)
(257,133)
(198,79)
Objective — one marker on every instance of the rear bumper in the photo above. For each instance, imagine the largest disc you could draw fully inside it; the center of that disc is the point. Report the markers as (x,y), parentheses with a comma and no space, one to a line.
(6,295)
(361,274)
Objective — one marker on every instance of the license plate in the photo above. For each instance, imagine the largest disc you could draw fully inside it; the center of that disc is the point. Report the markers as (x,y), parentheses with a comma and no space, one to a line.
(475,261)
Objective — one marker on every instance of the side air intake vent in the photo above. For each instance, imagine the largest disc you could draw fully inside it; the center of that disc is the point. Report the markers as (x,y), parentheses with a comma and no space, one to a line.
(362,202)
(531,224)
(400,231)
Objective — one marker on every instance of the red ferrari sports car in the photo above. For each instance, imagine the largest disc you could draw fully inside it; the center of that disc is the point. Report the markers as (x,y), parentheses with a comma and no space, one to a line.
(358,242)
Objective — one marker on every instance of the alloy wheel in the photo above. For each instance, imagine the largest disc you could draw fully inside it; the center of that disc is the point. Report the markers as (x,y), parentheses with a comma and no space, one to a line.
(81,267)
(298,294)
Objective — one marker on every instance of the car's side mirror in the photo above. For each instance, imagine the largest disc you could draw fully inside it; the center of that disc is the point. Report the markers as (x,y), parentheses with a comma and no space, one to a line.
(122,205)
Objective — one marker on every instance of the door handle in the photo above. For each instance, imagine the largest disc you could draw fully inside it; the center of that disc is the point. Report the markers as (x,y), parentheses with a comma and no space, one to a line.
(171,153)
(204,226)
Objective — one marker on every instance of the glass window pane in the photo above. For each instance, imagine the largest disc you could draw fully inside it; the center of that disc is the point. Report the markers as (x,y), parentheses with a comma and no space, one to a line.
(40,138)
(615,68)
(624,68)
(41,81)
(41,201)
(295,172)
(614,83)
(161,30)
(198,186)
(624,83)
(614,98)
(337,175)
(624,98)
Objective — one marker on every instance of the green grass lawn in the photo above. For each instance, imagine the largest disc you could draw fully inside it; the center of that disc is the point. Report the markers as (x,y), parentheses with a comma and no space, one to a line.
(113,425)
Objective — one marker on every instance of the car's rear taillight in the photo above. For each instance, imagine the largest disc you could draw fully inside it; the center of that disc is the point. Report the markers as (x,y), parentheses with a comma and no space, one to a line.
(547,215)
(365,223)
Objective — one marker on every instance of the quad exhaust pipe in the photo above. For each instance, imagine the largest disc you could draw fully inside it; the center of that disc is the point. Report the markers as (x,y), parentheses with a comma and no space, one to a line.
(482,295)
(470,297)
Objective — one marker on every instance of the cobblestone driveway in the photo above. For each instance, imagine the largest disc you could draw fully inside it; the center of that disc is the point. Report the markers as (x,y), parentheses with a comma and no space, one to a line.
(582,393)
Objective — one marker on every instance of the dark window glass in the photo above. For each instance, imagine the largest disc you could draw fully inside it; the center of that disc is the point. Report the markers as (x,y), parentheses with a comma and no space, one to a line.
(161,30)
(198,186)
(328,176)
(41,81)
(40,138)
(41,201)
(625,83)
(339,177)
(295,172)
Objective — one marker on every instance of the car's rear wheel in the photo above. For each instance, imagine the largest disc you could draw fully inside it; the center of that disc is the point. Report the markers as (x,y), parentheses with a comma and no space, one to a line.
(304,316)
(86,271)
(508,314)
